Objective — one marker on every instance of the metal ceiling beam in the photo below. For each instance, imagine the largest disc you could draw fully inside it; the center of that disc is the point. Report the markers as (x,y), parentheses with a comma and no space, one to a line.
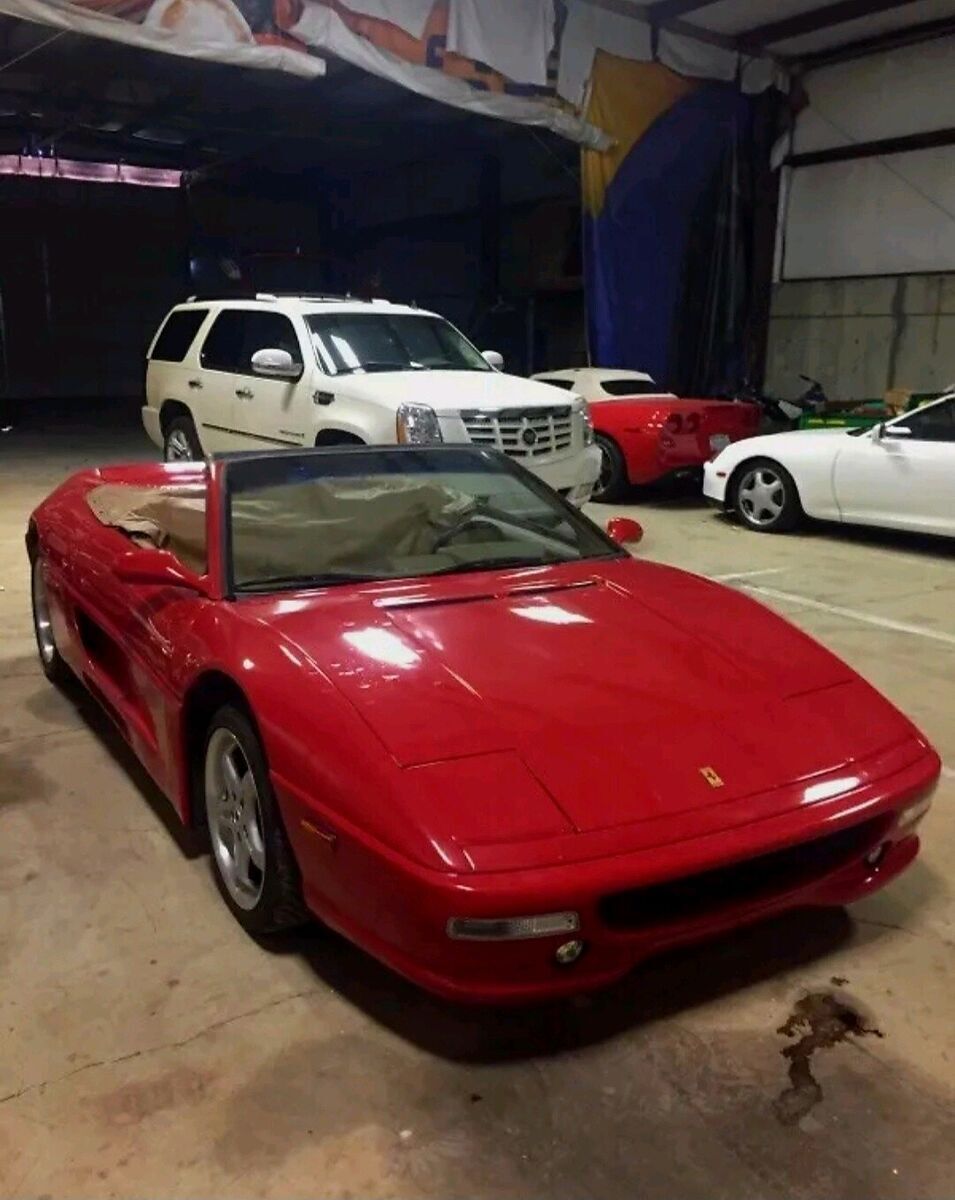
(666,10)
(932,140)
(880,43)
(816,19)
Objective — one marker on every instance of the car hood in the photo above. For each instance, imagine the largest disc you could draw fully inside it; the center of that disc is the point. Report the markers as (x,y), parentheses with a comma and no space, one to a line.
(630,691)
(448,392)
(776,443)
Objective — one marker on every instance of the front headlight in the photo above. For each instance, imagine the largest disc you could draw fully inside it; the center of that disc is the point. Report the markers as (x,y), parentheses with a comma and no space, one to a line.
(417,425)
(586,421)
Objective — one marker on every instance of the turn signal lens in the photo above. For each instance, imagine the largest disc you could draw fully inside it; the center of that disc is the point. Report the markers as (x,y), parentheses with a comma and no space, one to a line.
(910,817)
(587,422)
(511,929)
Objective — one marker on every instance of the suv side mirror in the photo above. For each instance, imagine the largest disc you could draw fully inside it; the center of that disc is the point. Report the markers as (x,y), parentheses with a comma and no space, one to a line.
(493,359)
(276,364)
(157,568)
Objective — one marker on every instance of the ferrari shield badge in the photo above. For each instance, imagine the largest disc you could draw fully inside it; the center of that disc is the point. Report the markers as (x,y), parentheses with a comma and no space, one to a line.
(711,777)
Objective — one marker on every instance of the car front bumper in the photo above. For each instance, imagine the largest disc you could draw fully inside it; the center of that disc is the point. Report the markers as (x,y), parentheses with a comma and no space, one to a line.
(574,476)
(152,425)
(398,911)
(715,480)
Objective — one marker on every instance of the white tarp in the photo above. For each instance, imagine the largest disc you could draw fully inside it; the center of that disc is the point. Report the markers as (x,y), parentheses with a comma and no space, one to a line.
(236,47)
(324,29)
(513,38)
(689,56)
(590,28)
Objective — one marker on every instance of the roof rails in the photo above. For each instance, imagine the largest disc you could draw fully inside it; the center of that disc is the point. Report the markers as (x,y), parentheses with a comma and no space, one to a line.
(273,297)
(229,296)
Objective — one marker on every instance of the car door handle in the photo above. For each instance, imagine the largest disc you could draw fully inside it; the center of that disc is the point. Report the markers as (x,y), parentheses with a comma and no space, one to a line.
(195,383)
(244,393)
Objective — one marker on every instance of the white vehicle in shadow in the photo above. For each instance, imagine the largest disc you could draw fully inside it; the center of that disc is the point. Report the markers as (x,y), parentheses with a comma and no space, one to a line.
(273,372)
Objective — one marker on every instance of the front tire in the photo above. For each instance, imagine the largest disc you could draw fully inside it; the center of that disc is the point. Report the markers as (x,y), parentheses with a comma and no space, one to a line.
(181,442)
(254,866)
(612,482)
(51,663)
(765,497)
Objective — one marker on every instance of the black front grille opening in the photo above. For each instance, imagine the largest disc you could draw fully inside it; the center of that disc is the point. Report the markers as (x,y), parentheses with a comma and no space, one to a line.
(767,875)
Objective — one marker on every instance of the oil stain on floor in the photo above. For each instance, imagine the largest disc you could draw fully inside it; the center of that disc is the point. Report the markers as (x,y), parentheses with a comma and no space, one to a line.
(823,1019)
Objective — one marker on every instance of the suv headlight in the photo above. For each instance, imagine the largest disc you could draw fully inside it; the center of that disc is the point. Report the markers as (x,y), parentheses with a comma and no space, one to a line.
(586,421)
(417,425)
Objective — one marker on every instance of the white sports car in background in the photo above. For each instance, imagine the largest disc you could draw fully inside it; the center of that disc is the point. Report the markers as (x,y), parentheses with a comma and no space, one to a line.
(900,474)
(603,383)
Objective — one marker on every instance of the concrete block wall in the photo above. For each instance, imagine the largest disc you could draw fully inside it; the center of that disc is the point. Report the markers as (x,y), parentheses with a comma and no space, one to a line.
(862,336)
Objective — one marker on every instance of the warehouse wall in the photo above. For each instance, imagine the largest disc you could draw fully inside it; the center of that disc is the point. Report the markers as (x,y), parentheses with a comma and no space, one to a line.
(86,273)
(489,237)
(863,303)
(863,336)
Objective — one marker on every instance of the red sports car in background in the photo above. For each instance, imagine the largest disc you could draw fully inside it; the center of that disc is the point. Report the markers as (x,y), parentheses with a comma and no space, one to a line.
(645,434)
(413,692)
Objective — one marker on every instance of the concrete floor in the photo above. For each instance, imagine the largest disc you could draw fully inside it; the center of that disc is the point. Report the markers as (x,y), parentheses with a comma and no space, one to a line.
(148,1047)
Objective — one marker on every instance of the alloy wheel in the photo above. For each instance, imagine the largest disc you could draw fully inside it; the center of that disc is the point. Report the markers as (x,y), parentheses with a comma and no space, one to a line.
(761,496)
(234,814)
(177,447)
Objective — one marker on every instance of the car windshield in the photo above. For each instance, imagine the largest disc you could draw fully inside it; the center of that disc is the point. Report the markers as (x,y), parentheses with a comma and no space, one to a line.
(630,386)
(330,517)
(350,343)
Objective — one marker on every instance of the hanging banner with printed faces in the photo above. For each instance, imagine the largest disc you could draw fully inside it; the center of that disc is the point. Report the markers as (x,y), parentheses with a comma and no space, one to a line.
(413,43)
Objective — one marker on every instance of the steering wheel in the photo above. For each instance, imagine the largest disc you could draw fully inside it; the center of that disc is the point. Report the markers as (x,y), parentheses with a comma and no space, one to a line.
(465,523)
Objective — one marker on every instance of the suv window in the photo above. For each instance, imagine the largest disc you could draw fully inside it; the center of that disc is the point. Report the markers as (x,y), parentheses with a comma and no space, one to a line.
(630,387)
(267,331)
(933,424)
(178,334)
(223,344)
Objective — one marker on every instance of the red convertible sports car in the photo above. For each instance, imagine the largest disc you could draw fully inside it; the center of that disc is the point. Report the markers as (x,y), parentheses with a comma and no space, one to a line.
(414,693)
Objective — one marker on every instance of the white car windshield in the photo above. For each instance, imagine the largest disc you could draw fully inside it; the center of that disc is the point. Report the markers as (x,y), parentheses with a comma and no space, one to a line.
(351,343)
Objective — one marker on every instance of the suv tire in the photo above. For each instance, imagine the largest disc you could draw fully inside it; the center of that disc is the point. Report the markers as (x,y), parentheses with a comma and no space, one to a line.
(181,442)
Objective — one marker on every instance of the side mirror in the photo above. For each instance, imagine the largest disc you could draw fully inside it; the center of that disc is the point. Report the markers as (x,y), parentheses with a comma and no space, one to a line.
(157,568)
(625,531)
(276,364)
(893,431)
(493,359)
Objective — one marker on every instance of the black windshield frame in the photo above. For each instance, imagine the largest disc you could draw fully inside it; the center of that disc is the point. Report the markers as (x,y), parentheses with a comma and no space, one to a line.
(241,471)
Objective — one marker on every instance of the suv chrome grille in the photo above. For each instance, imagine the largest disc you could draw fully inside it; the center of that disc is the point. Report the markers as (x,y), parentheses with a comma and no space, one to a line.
(521,432)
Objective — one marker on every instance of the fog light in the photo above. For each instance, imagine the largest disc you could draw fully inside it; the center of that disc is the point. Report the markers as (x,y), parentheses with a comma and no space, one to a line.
(569,952)
(910,817)
(511,929)
(874,857)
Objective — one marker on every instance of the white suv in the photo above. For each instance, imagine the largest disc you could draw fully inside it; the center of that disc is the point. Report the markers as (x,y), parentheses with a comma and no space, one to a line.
(274,371)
